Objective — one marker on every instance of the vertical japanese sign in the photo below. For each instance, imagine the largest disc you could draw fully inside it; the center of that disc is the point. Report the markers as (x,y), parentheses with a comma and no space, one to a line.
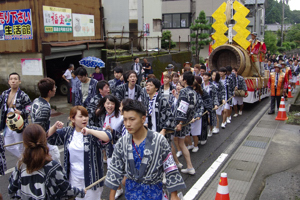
(16,25)
(57,20)
(146,29)
(83,25)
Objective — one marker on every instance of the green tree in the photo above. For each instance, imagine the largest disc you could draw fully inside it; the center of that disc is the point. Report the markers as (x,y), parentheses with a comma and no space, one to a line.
(199,35)
(270,41)
(166,36)
(293,34)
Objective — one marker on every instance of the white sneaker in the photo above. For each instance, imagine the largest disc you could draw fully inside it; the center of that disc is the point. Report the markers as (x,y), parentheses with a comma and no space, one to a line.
(203,142)
(179,165)
(235,115)
(223,125)
(195,149)
(209,133)
(228,120)
(240,112)
(216,130)
(189,171)
(189,147)
(118,193)
(178,154)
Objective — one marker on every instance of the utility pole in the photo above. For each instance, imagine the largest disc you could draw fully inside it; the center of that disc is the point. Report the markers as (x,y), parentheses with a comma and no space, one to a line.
(255,15)
(282,22)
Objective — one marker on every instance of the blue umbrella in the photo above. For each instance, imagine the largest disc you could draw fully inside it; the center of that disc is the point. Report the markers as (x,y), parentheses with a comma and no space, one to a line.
(92,62)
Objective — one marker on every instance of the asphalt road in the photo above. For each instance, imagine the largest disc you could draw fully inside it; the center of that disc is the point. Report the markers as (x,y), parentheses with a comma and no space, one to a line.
(201,160)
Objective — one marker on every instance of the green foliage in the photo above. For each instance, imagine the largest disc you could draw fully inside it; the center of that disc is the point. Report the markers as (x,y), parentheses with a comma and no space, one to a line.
(274,13)
(293,45)
(166,36)
(293,34)
(287,46)
(199,36)
(281,49)
(270,41)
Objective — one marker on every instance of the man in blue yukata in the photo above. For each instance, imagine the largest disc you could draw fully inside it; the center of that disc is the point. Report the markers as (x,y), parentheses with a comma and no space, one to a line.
(142,155)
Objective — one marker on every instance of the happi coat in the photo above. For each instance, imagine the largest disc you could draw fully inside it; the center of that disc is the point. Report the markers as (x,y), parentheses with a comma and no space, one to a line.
(156,160)
(113,84)
(122,92)
(22,103)
(185,109)
(92,93)
(47,183)
(93,166)
(92,107)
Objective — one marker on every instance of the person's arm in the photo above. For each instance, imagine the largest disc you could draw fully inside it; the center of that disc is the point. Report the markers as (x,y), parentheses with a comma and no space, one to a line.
(64,76)
(53,129)
(102,135)
(13,186)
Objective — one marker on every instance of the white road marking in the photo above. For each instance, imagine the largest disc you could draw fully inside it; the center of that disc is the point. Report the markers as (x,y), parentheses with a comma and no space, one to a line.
(192,193)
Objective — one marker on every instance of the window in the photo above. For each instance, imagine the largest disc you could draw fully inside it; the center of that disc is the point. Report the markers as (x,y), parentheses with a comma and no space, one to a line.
(156,25)
(177,20)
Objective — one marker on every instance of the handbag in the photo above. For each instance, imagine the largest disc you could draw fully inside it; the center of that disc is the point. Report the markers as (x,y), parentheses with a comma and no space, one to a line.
(239,93)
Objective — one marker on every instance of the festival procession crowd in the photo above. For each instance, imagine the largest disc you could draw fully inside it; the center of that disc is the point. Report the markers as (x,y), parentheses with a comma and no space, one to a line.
(139,132)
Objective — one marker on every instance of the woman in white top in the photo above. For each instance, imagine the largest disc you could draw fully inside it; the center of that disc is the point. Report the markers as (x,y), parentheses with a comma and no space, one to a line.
(109,118)
(82,150)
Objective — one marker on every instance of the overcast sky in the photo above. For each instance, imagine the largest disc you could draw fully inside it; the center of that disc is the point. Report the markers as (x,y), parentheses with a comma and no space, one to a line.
(294,4)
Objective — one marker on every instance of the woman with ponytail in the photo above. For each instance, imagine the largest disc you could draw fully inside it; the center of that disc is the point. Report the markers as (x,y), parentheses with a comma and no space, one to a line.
(37,176)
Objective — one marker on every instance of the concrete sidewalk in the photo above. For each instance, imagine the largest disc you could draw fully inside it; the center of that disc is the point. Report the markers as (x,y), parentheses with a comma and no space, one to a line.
(266,165)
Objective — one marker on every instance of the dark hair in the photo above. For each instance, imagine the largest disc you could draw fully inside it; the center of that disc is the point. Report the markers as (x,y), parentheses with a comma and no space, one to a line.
(155,82)
(135,105)
(217,79)
(197,85)
(74,110)
(229,68)
(203,67)
(128,73)
(71,65)
(135,57)
(97,67)
(36,152)
(81,71)
(14,73)
(222,69)
(189,78)
(45,85)
(118,70)
(235,69)
(101,84)
(125,102)
(206,74)
(102,101)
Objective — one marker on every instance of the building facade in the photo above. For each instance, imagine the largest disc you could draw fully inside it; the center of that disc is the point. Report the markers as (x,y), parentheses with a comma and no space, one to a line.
(41,38)
(139,20)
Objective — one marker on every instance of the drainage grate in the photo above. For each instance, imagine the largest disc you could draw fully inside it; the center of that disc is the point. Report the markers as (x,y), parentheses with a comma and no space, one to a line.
(256,144)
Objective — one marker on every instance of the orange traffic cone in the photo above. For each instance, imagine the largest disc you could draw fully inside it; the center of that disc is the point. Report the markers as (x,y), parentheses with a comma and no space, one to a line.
(223,191)
(282,112)
(290,92)
(298,77)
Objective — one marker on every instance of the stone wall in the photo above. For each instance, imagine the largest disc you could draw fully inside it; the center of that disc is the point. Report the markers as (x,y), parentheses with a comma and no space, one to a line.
(158,62)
